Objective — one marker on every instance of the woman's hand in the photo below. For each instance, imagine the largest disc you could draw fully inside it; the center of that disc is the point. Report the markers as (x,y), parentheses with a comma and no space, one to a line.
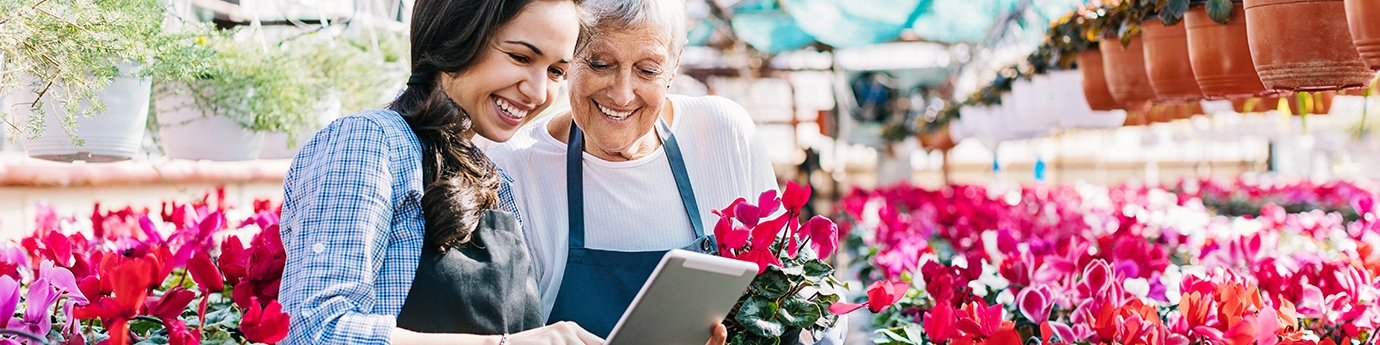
(718,335)
(564,332)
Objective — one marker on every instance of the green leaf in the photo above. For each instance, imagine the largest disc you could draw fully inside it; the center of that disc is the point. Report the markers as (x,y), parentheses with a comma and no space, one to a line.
(752,339)
(798,312)
(1219,11)
(223,318)
(771,284)
(756,316)
(1173,11)
(793,270)
(891,337)
(817,269)
(913,333)
(145,326)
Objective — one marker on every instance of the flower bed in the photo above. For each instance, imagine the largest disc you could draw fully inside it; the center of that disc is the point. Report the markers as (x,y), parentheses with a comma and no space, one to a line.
(1089,264)
(141,276)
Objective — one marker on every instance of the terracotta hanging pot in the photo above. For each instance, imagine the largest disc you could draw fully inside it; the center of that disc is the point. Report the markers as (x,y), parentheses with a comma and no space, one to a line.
(940,139)
(1363,16)
(1126,77)
(1303,45)
(1254,105)
(1166,49)
(1316,103)
(1095,80)
(1221,54)
(1136,118)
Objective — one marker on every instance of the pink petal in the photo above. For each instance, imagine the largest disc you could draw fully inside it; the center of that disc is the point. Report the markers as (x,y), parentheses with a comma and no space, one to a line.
(1064,332)
(840,308)
(747,214)
(1033,305)
(768,203)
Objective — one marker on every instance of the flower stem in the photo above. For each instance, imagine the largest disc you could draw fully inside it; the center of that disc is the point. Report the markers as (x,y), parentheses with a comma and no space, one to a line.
(26,335)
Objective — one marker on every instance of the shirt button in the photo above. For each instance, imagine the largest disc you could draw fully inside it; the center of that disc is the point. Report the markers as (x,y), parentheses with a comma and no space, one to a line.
(318,248)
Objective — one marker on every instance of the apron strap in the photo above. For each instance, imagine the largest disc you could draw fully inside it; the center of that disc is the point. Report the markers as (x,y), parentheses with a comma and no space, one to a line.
(575,186)
(687,193)
(575,189)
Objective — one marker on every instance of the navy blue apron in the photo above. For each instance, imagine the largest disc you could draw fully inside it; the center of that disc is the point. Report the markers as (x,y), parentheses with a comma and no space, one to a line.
(600,284)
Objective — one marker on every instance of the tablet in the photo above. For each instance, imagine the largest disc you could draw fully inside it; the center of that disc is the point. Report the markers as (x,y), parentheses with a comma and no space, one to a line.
(685,296)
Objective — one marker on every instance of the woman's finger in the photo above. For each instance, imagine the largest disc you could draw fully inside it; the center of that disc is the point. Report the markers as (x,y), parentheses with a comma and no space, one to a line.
(718,335)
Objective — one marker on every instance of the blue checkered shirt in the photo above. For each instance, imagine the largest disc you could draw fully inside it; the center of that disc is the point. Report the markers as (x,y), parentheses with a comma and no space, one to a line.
(352,227)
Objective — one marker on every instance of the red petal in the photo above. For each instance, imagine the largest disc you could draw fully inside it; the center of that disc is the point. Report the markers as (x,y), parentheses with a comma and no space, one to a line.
(205,274)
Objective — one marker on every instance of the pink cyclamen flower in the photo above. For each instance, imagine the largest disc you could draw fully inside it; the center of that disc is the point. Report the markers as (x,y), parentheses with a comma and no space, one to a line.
(880,295)
(824,235)
(939,323)
(1034,304)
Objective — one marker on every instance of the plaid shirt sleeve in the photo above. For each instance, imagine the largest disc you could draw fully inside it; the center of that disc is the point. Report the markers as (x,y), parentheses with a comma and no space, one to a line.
(337,228)
(505,196)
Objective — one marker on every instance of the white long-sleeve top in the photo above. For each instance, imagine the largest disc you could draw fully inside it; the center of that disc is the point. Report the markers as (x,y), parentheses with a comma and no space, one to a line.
(633,205)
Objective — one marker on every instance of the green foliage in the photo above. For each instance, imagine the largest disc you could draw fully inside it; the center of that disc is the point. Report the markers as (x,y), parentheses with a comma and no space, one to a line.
(68,50)
(1219,10)
(757,316)
(782,301)
(261,87)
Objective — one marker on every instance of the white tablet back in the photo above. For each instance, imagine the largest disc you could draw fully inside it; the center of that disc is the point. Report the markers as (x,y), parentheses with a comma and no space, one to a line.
(685,296)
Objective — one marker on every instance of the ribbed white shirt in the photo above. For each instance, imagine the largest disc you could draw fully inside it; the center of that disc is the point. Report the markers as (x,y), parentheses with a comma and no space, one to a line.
(633,205)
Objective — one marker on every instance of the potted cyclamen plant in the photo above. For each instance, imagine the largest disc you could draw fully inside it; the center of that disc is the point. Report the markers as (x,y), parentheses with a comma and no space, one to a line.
(795,290)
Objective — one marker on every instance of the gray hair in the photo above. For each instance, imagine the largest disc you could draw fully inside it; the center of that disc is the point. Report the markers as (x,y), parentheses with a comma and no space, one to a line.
(612,15)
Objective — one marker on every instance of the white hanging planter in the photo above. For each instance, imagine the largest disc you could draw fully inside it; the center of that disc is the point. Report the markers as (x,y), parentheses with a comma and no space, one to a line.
(278,146)
(109,136)
(1066,87)
(188,132)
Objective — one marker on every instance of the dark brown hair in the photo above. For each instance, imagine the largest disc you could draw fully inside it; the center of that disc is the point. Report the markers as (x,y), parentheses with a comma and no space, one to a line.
(449,36)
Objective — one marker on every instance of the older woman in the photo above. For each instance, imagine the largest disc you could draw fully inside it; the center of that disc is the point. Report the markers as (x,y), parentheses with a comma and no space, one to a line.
(641,168)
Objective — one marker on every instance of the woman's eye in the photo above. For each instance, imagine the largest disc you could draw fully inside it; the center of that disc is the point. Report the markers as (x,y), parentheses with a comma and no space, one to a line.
(519,58)
(556,73)
(598,64)
(651,71)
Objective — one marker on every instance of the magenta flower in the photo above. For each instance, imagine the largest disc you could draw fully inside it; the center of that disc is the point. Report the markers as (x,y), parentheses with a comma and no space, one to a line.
(823,234)
(1034,304)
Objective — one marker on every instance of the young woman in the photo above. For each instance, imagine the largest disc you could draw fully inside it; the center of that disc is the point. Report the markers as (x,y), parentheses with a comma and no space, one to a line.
(389,217)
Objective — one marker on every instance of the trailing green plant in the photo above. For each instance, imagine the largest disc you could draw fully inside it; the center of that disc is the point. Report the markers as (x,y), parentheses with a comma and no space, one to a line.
(261,87)
(69,50)
(354,67)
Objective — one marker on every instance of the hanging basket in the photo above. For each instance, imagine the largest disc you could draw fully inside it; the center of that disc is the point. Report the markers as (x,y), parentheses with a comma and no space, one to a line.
(281,146)
(110,136)
(1095,90)
(1363,17)
(1221,54)
(186,131)
(1166,49)
(1304,45)
(1126,77)
(939,139)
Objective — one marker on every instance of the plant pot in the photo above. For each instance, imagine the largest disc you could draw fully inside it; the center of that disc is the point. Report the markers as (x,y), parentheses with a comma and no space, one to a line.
(1303,45)
(188,132)
(1362,16)
(1126,77)
(110,136)
(1221,54)
(1317,103)
(1095,90)
(282,146)
(940,139)
(1166,49)
(1255,104)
